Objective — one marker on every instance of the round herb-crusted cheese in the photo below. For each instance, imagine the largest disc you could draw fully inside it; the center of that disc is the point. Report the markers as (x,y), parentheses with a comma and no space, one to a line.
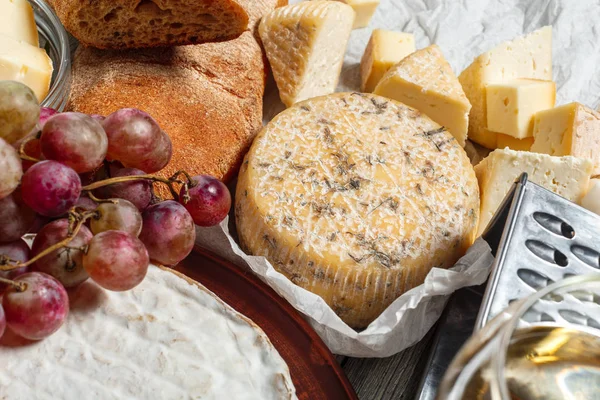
(355,198)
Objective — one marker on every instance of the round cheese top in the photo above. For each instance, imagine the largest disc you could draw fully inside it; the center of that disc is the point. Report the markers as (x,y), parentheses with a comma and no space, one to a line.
(168,338)
(356,198)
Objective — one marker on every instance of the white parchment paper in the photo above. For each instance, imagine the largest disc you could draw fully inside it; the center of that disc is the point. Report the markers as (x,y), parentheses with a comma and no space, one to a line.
(463,29)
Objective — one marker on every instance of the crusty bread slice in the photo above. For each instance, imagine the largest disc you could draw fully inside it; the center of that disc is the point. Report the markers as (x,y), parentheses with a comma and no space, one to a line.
(207,97)
(121,24)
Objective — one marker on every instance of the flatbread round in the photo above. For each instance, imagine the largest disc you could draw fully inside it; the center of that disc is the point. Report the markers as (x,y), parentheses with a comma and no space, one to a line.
(169,338)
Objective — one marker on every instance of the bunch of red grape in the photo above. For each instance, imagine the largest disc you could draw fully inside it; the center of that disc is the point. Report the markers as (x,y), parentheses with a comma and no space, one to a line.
(81,183)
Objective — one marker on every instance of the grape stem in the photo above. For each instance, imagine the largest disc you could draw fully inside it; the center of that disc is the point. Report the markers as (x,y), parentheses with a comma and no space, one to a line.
(76,221)
(596,176)
(170,182)
(22,153)
(101,201)
(19,286)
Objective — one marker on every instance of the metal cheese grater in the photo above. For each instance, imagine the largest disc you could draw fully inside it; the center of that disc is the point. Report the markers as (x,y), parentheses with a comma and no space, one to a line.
(538,238)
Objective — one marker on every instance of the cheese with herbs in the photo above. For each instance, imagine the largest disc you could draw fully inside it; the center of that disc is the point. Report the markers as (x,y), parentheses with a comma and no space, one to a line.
(528,57)
(424,80)
(566,176)
(355,197)
(17,21)
(384,50)
(569,130)
(27,64)
(305,44)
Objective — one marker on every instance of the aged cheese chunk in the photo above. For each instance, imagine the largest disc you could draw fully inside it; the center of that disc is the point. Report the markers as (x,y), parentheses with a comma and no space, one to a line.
(305,44)
(424,80)
(355,198)
(25,63)
(591,200)
(364,11)
(525,57)
(569,130)
(513,143)
(17,21)
(567,176)
(384,50)
(168,338)
(511,105)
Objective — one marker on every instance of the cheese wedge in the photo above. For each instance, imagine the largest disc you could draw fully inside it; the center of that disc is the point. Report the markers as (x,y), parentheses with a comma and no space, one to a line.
(511,105)
(513,143)
(424,80)
(17,21)
(384,50)
(364,10)
(568,177)
(569,130)
(305,44)
(525,57)
(25,63)
(355,198)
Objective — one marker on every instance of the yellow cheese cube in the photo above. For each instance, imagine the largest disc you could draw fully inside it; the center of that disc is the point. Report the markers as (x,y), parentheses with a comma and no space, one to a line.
(525,57)
(424,80)
(385,49)
(511,105)
(25,63)
(568,177)
(513,143)
(569,130)
(17,21)
(364,10)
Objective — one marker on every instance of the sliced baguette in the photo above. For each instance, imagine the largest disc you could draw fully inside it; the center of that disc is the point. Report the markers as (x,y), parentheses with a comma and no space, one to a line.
(120,24)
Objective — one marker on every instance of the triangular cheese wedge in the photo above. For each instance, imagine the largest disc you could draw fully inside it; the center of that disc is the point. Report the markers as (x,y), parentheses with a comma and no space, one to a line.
(305,44)
(525,57)
(424,80)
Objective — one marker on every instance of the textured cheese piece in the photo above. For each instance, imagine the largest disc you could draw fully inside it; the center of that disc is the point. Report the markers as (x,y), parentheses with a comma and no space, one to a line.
(364,10)
(591,200)
(424,80)
(511,105)
(528,57)
(569,130)
(566,176)
(17,21)
(168,338)
(305,44)
(384,50)
(355,198)
(513,143)
(25,63)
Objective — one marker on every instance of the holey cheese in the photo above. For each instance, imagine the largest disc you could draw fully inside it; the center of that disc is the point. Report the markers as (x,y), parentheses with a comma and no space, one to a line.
(356,197)
(169,339)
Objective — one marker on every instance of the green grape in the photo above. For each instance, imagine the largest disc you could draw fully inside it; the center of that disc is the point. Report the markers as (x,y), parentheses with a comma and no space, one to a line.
(19,111)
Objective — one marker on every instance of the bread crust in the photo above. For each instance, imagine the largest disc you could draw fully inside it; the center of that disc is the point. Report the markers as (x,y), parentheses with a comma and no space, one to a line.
(124,24)
(207,97)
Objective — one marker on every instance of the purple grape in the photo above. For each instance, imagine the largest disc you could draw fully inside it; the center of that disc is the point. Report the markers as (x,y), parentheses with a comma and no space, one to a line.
(2,321)
(168,232)
(50,188)
(209,201)
(137,192)
(119,216)
(16,251)
(98,117)
(16,218)
(136,140)
(45,114)
(74,139)
(63,264)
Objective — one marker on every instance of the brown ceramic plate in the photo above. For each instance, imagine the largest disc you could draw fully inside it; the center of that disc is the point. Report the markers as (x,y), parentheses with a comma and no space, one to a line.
(315,372)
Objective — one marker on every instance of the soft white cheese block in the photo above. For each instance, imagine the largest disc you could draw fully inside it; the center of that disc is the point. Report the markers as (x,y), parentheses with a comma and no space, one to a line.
(356,197)
(169,338)
(591,200)
(568,177)
(424,80)
(569,130)
(27,64)
(305,44)
(384,50)
(511,105)
(17,21)
(525,57)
